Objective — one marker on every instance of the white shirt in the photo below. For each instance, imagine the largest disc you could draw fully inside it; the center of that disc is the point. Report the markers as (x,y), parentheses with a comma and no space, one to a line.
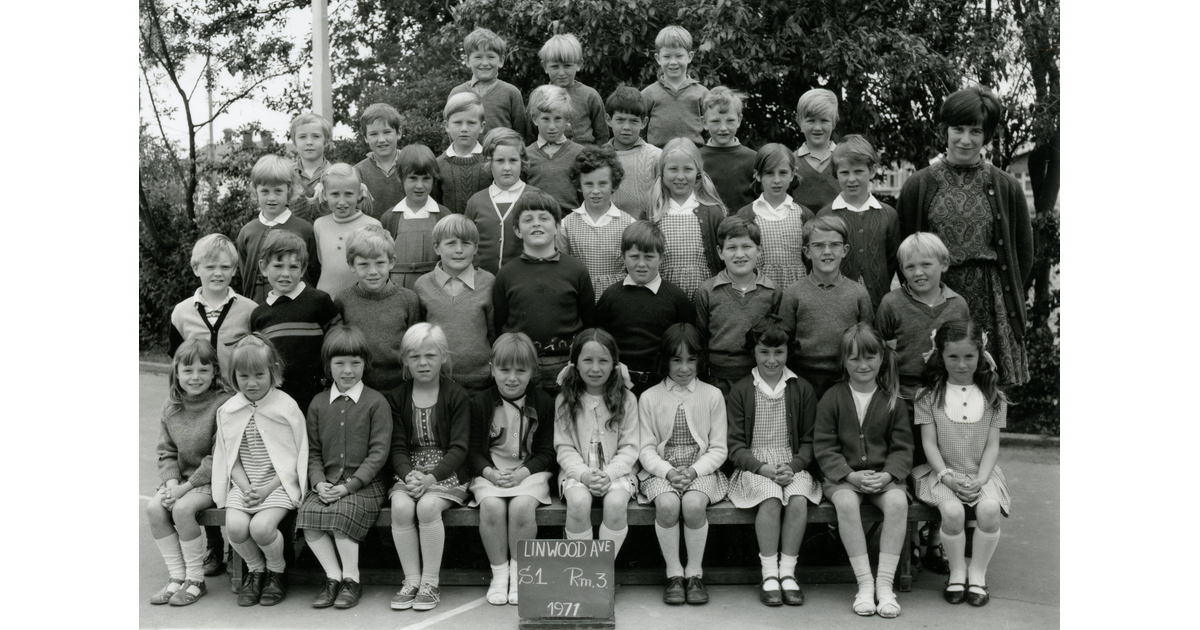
(653,285)
(861,402)
(444,279)
(672,386)
(354,392)
(763,208)
(499,195)
(768,391)
(282,218)
(839,202)
(430,206)
(272,295)
(964,404)
(612,213)
(687,207)
(474,151)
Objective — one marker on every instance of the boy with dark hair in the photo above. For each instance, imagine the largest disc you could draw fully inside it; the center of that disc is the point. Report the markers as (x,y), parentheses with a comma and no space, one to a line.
(673,102)
(272,185)
(626,115)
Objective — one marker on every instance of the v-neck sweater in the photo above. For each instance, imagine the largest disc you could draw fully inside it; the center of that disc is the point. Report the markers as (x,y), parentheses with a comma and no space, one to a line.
(467,321)
(383,317)
(552,173)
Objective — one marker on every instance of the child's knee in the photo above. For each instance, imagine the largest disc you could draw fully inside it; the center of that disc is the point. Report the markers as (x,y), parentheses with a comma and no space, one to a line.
(695,506)
(666,509)
(183,513)
(797,508)
(429,509)
(894,503)
(313,535)
(237,526)
(953,516)
(988,515)
(156,513)
(493,512)
(770,508)
(845,500)
(616,504)
(403,510)
(263,531)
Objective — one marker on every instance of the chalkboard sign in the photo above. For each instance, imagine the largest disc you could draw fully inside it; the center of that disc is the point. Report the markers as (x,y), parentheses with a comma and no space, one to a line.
(565,580)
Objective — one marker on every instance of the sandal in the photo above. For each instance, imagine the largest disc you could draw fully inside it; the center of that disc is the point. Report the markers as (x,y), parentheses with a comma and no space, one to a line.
(184,596)
(955,597)
(976,599)
(864,604)
(164,594)
(888,607)
(497,593)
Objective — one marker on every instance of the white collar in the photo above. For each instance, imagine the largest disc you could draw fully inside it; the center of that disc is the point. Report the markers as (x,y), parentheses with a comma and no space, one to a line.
(653,285)
(840,202)
(282,218)
(541,142)
(477,149)
(686,207)
(354,392)
(272,296)
(499,195)
(804,151)
(198,298)
(763,208)
(613,212)
(776,391)
(430,206)
(672,386)
(442,276)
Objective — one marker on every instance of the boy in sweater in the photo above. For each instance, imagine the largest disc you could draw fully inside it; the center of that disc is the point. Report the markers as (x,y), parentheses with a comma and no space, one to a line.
(817,114)
(380,124)
(730,303)
(561,56)
(484,53)
(216,312)
(340,188)
(552,155)
(626,115)
(272,183)
(637,310)
(818,308)
(673,101)
(543,293)
(293,316)
(463,167)
(376,306)
(728,162)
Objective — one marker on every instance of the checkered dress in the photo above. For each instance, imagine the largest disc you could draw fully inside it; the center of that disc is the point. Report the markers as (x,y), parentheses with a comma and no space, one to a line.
(598,247)
(426,455)
(684,264)
(780,259)
(770,446)
(257,464)
(961,445)
(681,450)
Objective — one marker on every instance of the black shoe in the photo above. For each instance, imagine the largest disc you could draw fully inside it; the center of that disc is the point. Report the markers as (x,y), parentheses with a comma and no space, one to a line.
(935,560)
(213,564)
(975,599)
(696,593)
(955,597)
(351,592)
(328,593)
(674,594)
(252,588)
(770,597)
(274,590)
(792,597)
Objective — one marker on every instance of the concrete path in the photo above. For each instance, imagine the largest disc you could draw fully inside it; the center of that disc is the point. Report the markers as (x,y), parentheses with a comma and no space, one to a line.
(1023,577)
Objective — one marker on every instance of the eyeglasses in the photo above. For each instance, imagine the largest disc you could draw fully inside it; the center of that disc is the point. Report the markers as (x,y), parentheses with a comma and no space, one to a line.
(826,246)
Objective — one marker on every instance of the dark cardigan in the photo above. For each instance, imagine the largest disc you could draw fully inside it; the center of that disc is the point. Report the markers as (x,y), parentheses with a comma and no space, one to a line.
(1012,233)
(710,217)
(801,403)
(538,440)
(883,443)
(453,429)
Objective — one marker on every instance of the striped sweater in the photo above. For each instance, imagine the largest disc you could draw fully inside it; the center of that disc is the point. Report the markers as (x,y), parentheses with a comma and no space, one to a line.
(297,328)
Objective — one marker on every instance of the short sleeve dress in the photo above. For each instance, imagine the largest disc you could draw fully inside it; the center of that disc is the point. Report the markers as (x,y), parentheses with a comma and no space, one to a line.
(961,439)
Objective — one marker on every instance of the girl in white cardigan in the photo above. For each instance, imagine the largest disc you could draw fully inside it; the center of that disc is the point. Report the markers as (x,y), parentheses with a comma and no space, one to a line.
(683,446)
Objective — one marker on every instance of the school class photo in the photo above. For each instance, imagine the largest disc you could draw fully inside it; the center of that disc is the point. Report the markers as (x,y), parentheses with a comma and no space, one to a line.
(805,310)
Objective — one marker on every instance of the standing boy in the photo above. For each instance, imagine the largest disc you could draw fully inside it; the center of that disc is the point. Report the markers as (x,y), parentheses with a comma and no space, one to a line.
(673,102)
(310,133)
(817,113)
(272,183)
(728,162)
(561,56)
(380,124)
(484,53)
(463,167)
(553,154)
(215,312)
(626,115)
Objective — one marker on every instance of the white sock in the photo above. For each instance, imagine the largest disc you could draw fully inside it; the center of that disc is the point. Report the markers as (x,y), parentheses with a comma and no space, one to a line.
(770,569)
(615,535)
(513,580)
(323,549)
(983,545)
(497,592)
(787,565)
(193,557)
(433,541)
(956,556)
(585,535)
(408,548)
(173,554)
(668,541)
(886,573)
(862,573)
(249,552)
(274,553)
(695,540)
(348,550)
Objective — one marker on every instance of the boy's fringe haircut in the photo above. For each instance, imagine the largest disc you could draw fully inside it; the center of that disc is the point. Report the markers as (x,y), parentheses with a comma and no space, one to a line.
(280,243)
(462,102)
(645,235)
(192,350)
(854,149)
(724,100)
(380,112)
(455,226)
(309,118)
(573,386)
(673,37)
(211,246)
(625,100)
(818,101)
(370,241)
(563,48)
(734,226)
(550,99)
(863,338)
(923,244)
(825,223)
(485,40)
(533,201)
(705,190)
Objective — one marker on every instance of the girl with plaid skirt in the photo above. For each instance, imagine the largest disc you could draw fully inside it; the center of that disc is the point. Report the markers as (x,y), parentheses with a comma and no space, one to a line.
(349,432)
(685,205)
(431,430)
(961,411)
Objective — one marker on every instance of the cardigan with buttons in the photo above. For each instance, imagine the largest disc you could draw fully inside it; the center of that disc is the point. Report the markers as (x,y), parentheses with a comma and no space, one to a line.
(622,443)
(883,443)
(452,428)
(800,403)
(348,439)
(705,413)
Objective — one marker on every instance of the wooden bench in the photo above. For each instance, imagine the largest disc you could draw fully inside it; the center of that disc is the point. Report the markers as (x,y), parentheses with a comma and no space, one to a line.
(555,514)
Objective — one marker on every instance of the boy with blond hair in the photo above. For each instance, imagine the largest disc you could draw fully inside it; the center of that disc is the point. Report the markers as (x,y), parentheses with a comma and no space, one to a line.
(728,162)
(673,102)
(381,128)
(561,56)
(273,186)
(215,312)
(817,113)
(310,134)
(552,154)
(483,53)
(464,169)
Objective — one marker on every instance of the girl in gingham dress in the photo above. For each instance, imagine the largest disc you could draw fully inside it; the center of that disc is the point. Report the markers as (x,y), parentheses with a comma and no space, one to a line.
(431,431)
(961,411)
(260,464)
(592,232)
(780,219)
(688,210)
(683,446)
(777,410)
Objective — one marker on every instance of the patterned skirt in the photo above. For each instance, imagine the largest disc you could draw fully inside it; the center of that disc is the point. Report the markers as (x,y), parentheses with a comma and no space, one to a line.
(980,284)
(277,499)
(748,489)
(933,492)
(425,459)
(352,515)
(257,464)
(684,264)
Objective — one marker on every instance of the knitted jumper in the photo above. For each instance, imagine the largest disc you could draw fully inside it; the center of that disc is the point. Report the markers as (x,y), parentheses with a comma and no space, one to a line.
(304,202)
(637,318)
(549,300)
(639,163)
(724,315)
(227,330)
(817,189)
(502,107)
(414,244)
(498,243)
(732,171)
(468,322)
(874,239)
(551,173)
(817,316)
(909,322)
(383,317)
(249,245)
(587,115)
(386,190)
(297,328)
(331,234)
(674,113)
(348,439)
(185,438)
(461,178)
(598,247)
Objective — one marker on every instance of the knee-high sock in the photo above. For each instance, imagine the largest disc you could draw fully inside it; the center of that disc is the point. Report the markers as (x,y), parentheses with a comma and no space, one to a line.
(668,541)
(615,535)
(249,552)
(173,555)
(983,545)
(695,540)
(585,535)
(348,550)
(433,541)
(274,554)
(193,557)
(886,573)
(409,550)
(862,573)
(956,549)
(323,549)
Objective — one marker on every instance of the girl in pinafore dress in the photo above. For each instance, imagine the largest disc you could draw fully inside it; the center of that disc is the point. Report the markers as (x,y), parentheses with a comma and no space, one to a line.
(771,415)
(411,221)
(260,464)
(596,436)
(349,432)
(592,232)
(961,411)
(683,446)
(863,442)
(512,452)
(185,442)
(688,210)
(431,430)
(780,218)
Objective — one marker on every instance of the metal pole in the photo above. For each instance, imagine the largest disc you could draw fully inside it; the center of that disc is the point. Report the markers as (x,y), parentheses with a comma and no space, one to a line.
(322,84)
(212,148)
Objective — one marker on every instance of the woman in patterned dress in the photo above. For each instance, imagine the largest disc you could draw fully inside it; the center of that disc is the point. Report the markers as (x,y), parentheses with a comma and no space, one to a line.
(961,410)
(979,212)
(776,409)
(778,216)
(688,210)
(431,430)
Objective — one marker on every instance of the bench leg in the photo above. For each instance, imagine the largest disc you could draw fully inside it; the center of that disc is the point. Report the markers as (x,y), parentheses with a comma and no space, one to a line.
(236,569)
(904,578)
